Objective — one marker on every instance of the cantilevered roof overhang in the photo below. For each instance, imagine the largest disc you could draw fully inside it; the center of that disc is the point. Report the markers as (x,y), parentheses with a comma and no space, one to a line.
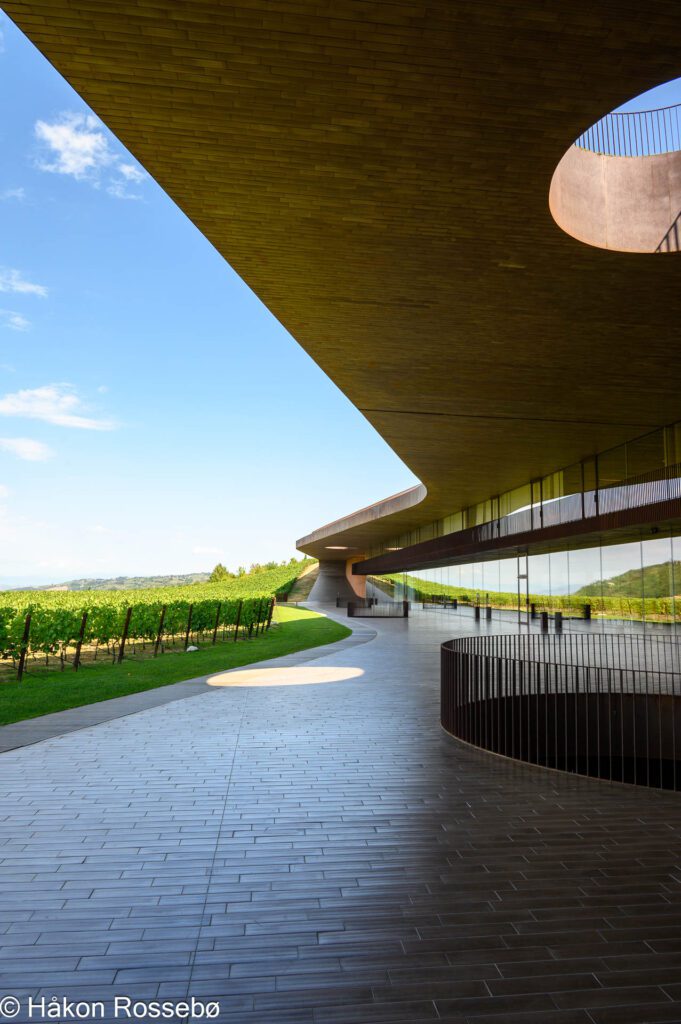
(378,173)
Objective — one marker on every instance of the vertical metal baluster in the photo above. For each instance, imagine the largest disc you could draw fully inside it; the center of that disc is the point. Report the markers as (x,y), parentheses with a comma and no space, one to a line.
(537,686)
(647,723)
(513,697)
(609,724)
(575,704)
(546,714)
(622,766)
(597,676)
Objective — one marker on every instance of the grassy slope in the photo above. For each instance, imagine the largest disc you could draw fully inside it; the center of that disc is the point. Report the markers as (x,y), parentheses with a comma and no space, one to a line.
(653,581)
(43,692)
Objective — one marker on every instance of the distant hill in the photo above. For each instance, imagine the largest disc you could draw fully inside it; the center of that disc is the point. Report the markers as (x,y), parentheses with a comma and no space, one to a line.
(656,583)
(127,582)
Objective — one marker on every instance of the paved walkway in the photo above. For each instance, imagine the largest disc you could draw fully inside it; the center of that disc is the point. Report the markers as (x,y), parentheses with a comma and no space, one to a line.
(33,730)
(324,854)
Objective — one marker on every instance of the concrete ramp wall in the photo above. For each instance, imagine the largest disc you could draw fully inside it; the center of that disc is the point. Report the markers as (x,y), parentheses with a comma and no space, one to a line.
(331,583)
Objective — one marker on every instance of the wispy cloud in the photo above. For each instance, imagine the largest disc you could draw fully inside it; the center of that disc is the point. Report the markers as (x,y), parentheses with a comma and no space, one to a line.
(200,550)
(12,280)
(12,193)
(58,404)
(26,448)
(76,144)
(15,321)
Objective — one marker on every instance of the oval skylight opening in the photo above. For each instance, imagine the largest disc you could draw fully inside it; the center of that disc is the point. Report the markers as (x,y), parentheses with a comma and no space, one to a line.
(618,186)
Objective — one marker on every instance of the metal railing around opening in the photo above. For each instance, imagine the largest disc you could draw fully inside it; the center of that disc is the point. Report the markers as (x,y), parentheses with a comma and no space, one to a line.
(654,487)
(638,133)
(605,706)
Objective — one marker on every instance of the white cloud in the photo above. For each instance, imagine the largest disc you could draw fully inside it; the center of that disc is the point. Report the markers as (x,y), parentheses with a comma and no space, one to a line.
(102,389)
(53,403)
(13,193)
(131,173)
(25,448)
(14,320)
(77,145)
(12,280)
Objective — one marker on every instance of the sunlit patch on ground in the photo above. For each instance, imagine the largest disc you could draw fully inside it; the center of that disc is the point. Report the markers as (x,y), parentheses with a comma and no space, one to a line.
(303,675)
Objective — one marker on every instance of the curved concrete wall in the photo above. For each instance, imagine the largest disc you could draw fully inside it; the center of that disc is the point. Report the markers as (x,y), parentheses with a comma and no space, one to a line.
(332,582)
(628,204)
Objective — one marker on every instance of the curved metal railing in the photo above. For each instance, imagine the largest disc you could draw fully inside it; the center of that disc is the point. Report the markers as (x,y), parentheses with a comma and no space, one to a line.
(639,133)
(602,705)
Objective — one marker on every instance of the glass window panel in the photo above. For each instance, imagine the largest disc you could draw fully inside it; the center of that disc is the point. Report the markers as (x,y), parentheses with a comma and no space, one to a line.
(622,585)
(612,466)
(645,454)
(657,583)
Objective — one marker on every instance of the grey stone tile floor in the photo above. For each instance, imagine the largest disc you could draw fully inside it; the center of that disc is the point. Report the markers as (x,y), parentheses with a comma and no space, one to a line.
(324,853)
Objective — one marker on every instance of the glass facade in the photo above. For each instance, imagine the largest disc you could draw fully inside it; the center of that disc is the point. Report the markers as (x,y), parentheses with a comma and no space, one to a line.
(633,584)
(621,477)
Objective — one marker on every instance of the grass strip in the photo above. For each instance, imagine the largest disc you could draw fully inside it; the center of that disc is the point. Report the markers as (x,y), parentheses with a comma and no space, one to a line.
(43,691)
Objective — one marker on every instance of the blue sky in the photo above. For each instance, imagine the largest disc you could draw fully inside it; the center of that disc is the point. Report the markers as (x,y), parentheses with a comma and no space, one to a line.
(154,417)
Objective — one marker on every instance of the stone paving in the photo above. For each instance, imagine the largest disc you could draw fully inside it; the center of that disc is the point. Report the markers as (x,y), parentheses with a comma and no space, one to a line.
(324,853)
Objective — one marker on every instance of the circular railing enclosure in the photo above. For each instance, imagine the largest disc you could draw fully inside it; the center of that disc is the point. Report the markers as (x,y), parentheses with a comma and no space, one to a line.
(606,706)
(635,133)
(619,185)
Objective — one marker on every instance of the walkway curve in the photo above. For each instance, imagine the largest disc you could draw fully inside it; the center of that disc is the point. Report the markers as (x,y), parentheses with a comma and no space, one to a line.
(34,730)
(326,855)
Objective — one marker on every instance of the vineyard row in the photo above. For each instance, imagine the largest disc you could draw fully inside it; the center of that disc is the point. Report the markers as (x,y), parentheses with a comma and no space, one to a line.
(47,633)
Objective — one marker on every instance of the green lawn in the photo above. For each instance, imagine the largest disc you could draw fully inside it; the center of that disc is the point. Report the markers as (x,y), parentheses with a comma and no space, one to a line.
(44,690)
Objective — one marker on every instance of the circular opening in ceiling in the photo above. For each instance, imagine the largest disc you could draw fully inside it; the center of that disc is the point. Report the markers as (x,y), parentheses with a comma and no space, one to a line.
(618,186)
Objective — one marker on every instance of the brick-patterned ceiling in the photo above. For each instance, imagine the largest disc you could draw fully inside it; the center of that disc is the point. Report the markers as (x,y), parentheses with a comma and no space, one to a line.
(378,174)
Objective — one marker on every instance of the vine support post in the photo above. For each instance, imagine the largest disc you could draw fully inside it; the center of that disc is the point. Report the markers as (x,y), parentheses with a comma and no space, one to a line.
(265,614)
(238,621)
(24,647)
(271,613)
(79,645)
(189,627)
(217,622)
(159,634)
(257,619)
(126,627)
